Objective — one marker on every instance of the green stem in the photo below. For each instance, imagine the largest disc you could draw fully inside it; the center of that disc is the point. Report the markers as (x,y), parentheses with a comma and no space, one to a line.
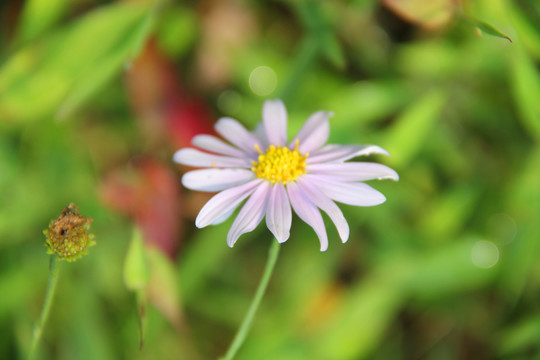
(51,286)
(248,319)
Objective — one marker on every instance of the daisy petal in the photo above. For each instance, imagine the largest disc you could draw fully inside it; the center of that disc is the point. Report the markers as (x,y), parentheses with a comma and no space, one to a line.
(236,134)
(213,144)
(314,133)
(278,213)
(338,153)
(308,213)
(194,157)
(216,179)
(224,202)
(358,194)
(325,204)
(354,171)
(260,134)
(223,217)
(275,122)
(251,214)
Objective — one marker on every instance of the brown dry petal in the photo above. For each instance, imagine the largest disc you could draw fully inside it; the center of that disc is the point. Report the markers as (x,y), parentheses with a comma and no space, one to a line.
(147,191)
(227,26)
(429,14)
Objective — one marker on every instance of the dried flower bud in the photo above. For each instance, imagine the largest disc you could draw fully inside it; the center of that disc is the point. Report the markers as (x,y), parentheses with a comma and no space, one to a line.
(68,236)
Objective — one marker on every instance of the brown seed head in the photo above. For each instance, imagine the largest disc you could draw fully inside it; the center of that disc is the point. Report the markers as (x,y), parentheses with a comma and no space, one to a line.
(68,236)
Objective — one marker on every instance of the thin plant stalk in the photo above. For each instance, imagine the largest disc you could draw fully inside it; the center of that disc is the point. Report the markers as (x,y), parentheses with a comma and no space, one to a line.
(51,286)
(242,332)
(307,53)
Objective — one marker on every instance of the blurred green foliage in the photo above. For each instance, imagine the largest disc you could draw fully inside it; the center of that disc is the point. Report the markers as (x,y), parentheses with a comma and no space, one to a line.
(89,89)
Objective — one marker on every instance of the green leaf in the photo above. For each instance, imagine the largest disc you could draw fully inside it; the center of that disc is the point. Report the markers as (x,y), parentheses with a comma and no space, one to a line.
(445,216)
(177,30)
(203,257)
(136,278)
(135,265)
(410,131)
(526,92)
(483,26)
(521,336)
(102,72)
(72,64)
(363,103)
(142,31)
(523,202)
(38,16)
(525,16)
(445,271)
(357,328)
(489,29)
(332,49)
(316,23)
(163,289)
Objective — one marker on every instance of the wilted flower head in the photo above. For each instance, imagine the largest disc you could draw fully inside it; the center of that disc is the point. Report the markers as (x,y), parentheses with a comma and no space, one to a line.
(68,236)
(275,174)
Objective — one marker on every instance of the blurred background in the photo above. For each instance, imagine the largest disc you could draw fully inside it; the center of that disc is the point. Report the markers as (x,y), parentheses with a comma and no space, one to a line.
(96,95)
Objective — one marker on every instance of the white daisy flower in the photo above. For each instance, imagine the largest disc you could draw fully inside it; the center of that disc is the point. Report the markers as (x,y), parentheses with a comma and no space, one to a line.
(274,175)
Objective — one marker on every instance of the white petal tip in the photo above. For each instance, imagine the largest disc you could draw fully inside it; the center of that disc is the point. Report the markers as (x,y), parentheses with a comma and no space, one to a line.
(178,155)
(185,181)
(198,225)
(374,149)
(391,176)
(374,200)
(280,237)
(324,244)
(222,119)
(231,241)
(378,150)
(344,237)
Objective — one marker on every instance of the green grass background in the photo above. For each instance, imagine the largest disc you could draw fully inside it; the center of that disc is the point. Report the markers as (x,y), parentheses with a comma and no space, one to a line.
(458,110)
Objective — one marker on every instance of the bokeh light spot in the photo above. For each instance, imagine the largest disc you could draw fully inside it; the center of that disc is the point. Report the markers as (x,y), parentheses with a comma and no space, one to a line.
(262,80)
(485,254)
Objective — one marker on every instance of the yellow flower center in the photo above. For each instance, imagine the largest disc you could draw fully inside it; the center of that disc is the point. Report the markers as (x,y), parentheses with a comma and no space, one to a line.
(280,164)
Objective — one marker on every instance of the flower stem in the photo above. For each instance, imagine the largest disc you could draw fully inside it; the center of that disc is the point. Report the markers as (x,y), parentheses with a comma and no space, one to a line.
(246,323)
(51,286)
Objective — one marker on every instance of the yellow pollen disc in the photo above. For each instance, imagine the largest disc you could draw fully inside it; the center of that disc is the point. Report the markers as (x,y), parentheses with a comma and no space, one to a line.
(280,164)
